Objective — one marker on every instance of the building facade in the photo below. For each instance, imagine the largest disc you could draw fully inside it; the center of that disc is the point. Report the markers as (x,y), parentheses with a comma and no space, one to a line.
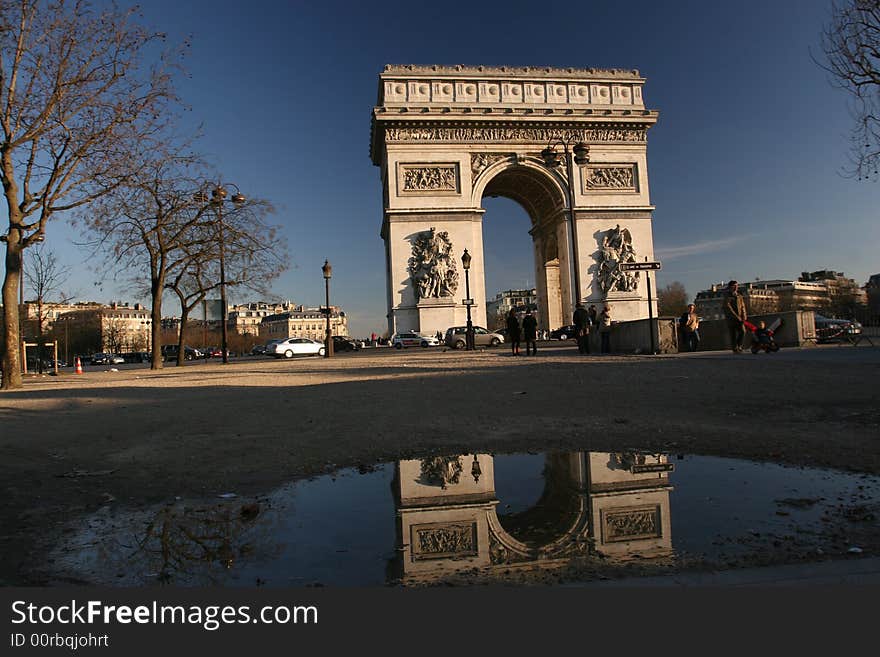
(302,322)
(245,318)
(499,307)
(115,328)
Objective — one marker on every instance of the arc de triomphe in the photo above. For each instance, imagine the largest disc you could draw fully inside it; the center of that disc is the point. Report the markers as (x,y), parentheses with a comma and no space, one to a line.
(444,137)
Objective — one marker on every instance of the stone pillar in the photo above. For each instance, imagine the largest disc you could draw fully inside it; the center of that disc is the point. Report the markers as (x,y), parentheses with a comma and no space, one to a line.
(555,318)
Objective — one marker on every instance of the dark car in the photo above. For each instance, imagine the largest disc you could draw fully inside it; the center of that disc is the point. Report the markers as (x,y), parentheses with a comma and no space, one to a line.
(344,343)
(568,332)
(170,352)
(831,329)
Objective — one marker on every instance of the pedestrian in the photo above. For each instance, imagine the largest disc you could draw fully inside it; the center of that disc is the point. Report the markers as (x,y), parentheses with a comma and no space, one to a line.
(736,316)
(594,314)
(581,321)
(513,332)
(530,333)
(689,323)
(605,328)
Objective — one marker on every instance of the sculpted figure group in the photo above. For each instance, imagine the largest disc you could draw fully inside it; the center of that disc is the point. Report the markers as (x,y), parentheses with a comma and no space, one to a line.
(617,248)
(432,267)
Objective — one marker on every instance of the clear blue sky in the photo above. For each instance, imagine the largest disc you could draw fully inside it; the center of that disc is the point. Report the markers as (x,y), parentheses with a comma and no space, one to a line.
(744,163)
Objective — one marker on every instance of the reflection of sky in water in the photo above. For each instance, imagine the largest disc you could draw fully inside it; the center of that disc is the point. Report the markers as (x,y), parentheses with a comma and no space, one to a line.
(338,531)
(341,530)
(519,481)
(715,497)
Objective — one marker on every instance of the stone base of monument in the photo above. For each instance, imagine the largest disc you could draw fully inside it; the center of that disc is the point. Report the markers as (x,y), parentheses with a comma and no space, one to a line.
(625,306)
(440,314)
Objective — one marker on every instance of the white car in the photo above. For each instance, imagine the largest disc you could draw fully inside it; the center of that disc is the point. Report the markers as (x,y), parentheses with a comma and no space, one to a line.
(296,347)
(413,339)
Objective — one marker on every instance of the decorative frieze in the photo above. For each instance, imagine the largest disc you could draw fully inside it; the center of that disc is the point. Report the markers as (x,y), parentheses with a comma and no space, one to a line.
(615,178)
(624,135)
(444,540)
(429,178)
(631,524)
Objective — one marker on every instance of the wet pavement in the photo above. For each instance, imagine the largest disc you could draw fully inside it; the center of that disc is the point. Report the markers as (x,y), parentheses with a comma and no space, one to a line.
(554,518)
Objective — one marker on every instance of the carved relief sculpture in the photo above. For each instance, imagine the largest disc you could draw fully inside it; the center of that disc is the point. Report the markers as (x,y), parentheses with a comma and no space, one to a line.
(610,178)
(448,540)
(632,524)
(434,179)
(441,470)
(431,267)
(616,249)
(482,161)
(623,135)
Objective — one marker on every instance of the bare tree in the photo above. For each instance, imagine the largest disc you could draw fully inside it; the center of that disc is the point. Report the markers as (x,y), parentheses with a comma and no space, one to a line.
(851,45)
(156,227)
(45,276)
(254,255)
(672,299)
(149,226)
(80,91)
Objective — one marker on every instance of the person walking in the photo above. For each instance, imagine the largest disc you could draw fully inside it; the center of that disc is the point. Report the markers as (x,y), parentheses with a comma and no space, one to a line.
(513,331)
(581,321)
(736,316)
(689,323)
(605,328)
(530,333)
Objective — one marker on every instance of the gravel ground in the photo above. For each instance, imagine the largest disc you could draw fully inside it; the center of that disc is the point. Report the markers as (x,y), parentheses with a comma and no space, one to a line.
(71,444)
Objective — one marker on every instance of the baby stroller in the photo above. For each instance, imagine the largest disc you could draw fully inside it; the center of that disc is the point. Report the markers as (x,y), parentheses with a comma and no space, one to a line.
(762,337)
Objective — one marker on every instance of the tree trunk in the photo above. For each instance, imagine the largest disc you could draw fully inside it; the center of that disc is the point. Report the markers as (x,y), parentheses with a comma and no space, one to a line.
(157,287)
(11,362)
(184,317)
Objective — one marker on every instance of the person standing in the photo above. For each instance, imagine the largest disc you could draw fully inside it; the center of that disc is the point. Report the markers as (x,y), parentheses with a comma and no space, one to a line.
(594,314)
(605,328)
(530,333)
(513,331)
(581,321)
(690,328)
(736,316)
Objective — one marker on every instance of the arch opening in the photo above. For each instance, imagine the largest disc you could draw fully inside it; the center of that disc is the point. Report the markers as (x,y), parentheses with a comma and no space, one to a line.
(533,189)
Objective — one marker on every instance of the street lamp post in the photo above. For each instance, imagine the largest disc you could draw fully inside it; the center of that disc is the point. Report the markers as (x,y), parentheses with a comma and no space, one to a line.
(468,302)
(218,197)
(328,342)
(580,153)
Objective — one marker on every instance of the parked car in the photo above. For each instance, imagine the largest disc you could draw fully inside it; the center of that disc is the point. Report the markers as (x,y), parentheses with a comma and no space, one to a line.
(137,357)
(457,335)
(296,347)
(212,352)
(46,364)
(413,339)
(831,329)
(345,343)
(568,332)
(104,358)
(170,352)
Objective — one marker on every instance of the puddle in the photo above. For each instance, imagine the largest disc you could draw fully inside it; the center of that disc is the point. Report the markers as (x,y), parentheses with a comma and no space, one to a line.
(465,519)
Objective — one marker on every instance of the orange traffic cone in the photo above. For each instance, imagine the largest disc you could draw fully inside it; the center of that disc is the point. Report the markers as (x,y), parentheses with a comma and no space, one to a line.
(79,366)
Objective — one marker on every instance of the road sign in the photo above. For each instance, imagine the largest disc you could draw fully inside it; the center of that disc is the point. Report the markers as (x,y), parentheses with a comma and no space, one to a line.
(467,302)
(653,467)
(639,266)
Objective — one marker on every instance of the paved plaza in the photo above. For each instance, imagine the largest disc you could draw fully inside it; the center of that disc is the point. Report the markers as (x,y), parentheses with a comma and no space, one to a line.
(133,437)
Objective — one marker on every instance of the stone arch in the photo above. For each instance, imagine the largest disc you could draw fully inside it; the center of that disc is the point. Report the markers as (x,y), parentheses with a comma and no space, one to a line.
(445,136)
(541,193)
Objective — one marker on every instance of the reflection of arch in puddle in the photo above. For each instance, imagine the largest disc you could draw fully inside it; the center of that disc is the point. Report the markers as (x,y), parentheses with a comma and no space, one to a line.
(591,503)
